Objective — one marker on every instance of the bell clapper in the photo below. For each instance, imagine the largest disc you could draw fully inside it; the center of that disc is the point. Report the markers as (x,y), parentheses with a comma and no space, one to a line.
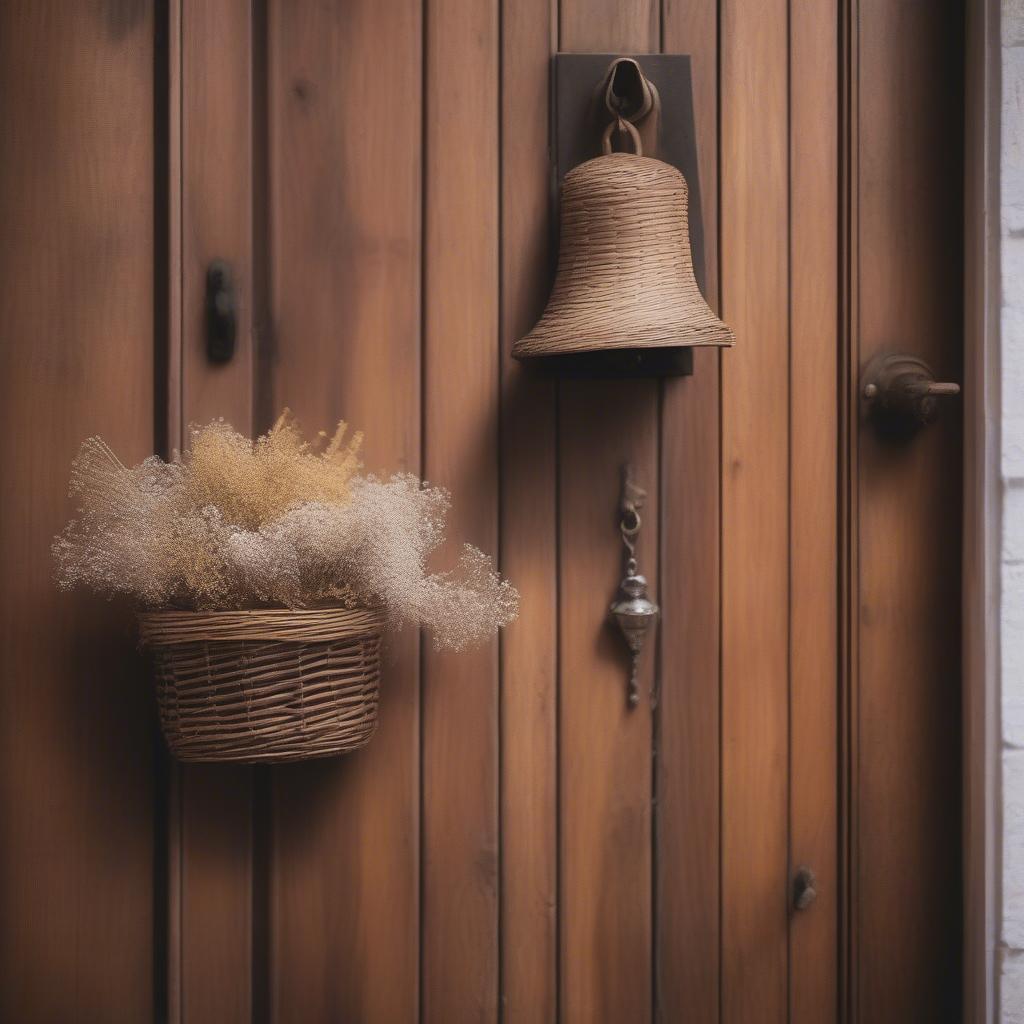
(634,612)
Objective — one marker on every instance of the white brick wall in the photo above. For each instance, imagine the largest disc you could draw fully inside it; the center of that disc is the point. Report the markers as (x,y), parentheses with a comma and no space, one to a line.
(1012,551)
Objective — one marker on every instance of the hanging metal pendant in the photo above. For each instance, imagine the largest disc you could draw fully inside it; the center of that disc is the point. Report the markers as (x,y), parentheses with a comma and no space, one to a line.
(634,612)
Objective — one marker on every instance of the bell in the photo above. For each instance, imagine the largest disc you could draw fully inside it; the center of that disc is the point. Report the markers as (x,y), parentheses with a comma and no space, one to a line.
(625,276)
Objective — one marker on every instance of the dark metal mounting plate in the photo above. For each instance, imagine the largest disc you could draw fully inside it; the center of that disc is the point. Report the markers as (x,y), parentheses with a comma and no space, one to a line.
(617,363)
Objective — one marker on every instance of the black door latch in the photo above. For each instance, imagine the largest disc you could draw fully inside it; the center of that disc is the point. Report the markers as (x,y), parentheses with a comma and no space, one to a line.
(221,312)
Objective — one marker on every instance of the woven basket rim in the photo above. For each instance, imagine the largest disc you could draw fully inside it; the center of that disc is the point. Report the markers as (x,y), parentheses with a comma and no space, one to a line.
(298,625)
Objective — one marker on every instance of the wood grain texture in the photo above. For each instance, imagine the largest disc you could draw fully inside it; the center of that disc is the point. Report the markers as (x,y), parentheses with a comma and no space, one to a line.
(215,802)
(529,522)
(813,508)
(908,291)
(604,26)
(169,395)
(849,413)
(688,727)
(77,731)
(215,836)
(605,755)
(217,201)
(755,510)
(605,921)
(981,555)
(460,959)
(343,340)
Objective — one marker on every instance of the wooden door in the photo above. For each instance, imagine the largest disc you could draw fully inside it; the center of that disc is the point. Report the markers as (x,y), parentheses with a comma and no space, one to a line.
(515,843)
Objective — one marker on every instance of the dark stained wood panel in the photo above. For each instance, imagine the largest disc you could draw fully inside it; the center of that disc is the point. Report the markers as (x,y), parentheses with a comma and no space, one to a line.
(529,524)
(342,339)
(212,838)
(605,921)
(687,757)
(77,729)
(907,287)
(754,246)
(460,943)
(813,496)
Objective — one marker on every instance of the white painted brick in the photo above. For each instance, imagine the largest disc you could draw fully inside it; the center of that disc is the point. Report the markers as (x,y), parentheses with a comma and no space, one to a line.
(1013,849)
(1012,22)
(1011,988)
(1011,640)
(1012,361)
(1012,461)
(1011,620)
(1013,716)
(1012,276)
(1013,523)
(1013,447)
(1012,186)
(1013,108)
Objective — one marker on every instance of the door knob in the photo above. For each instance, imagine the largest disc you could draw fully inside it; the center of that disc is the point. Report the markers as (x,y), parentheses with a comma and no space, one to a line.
(902,394)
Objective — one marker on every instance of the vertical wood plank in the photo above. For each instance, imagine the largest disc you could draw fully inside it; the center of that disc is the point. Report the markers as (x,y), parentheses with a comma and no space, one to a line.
(216,170)
(77,730)
(171,355)
(849,411)
(687,747)
(529,518)
(605,918)
(605,748)
(909,279)
(755,510)
(343,340)
(460,959)
(215,802)
(982,499)
(813,492)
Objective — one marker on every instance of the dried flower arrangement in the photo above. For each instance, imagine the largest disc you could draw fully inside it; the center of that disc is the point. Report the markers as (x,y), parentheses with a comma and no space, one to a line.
(239,524)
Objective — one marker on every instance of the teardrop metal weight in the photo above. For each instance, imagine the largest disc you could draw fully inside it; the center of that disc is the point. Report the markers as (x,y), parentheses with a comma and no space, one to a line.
(634,612)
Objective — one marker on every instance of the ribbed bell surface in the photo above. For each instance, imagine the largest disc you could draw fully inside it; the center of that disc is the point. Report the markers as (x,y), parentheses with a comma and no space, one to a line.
(625,268)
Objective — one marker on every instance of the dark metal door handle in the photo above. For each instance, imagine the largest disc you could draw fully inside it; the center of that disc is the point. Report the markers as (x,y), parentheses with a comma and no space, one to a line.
(221,312)
(901,393)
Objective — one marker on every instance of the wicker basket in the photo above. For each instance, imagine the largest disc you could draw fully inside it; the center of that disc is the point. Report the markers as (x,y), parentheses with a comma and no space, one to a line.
(265,685)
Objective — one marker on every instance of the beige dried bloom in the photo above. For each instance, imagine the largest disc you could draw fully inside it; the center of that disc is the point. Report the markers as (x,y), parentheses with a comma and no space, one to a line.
(254,482)
(237,523)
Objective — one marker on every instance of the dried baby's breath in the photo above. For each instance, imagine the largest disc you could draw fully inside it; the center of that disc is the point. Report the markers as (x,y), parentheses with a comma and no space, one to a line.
(237,523)
(254,482)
